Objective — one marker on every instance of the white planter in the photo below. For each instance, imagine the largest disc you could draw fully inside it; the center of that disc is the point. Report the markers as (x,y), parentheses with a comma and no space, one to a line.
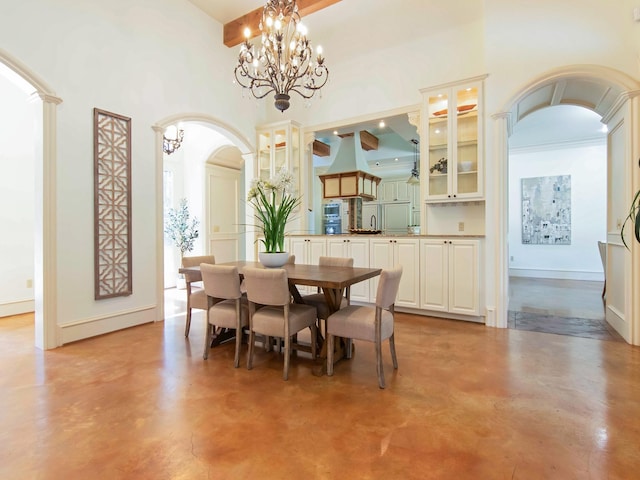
(273,260)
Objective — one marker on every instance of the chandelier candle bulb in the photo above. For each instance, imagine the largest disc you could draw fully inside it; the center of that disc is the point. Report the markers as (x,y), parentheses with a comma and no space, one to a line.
(283,62)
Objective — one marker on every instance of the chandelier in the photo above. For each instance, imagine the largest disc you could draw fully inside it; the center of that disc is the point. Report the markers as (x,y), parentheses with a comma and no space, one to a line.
(283,63)
(414,179)
(172,139)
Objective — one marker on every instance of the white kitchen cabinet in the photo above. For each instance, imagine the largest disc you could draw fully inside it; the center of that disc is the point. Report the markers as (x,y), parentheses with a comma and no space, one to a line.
(453,136)
(371,216)
(450,275)
(396,217)
(394,191)
(358,249)
(308,250)
(388,252)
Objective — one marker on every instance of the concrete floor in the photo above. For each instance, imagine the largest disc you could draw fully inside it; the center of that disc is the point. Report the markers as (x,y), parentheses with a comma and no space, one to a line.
(468,402)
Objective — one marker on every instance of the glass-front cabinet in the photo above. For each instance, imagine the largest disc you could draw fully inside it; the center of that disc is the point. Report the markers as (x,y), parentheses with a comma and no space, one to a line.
(453,150)
(279,146)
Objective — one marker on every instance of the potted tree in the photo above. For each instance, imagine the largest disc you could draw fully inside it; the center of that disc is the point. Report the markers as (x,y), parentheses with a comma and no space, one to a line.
(182,230)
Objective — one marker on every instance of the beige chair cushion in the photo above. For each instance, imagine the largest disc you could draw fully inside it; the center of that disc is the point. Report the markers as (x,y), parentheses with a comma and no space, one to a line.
(198,299)
(358,322)
(270,320)
(223,314)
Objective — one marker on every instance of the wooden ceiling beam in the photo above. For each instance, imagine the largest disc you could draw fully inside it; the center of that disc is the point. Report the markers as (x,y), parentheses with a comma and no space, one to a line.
(321,149)
(368,141)
(233,32)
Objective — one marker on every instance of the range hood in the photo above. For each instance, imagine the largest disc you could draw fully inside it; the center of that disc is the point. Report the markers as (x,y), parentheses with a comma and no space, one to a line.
(349,175)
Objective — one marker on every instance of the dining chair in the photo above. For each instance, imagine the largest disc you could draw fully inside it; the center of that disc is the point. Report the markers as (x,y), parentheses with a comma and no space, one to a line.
(277,317)
(602,248)
(227,307)
(196,298)
(371,324)
(318,300)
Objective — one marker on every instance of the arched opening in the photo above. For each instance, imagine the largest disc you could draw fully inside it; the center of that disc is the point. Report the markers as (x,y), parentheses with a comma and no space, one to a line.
(213,162)
(42,109)
(606,92)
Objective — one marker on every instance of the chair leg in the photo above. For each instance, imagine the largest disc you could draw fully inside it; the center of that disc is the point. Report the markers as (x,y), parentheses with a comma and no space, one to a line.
(379,364)
(330,346)
(392,346)
(236,360)
(207,341)
(348,342)
(287,355)
(314,341)
(187,327)
(250,350)
(604,289)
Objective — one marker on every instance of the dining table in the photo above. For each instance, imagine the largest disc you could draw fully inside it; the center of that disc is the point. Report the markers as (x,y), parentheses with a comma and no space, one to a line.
(331,280)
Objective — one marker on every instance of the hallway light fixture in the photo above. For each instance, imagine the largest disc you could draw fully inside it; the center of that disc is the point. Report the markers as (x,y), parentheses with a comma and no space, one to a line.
(283,63)
(172,139)
(414,179)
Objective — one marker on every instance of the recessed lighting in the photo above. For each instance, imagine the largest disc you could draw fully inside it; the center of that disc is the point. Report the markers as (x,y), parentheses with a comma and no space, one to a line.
(437,130)
(381,124)
(396,159)
(377,164)
(335,132)
(604,129)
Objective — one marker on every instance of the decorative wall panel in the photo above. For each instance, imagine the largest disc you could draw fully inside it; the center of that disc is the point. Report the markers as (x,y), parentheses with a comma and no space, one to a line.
(112,204)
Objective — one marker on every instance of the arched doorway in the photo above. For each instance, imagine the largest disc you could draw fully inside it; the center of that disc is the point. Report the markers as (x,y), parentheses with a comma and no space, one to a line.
(44,105)
(233,136)
(614,96)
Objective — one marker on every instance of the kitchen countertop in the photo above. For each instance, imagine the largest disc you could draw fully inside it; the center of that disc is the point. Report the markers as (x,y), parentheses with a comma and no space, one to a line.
(374,235)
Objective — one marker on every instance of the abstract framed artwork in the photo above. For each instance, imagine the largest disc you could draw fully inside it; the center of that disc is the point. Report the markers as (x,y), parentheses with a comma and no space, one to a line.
(546,210)
(112,204)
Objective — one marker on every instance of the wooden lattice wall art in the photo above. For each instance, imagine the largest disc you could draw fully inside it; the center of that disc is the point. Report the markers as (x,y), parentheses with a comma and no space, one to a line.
(112,204)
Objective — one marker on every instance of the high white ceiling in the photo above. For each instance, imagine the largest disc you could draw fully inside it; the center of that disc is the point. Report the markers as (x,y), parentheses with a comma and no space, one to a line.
(339,28)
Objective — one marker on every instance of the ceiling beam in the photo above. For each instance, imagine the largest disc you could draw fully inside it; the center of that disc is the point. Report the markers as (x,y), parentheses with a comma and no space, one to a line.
(321,149)
(233,33)
(368,141)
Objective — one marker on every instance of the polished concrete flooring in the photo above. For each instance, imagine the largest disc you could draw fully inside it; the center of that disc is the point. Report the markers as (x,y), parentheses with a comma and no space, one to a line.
(467,402)
(562,307)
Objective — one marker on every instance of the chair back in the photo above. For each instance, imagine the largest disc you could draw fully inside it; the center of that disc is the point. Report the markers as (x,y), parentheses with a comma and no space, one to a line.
(292,259)
(221,281)
(267,286)
(388,286)
(602,248)
(194,262)
(335,262)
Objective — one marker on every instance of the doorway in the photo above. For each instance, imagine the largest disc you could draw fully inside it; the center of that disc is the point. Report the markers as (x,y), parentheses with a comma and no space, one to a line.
(557,215)
(610,94)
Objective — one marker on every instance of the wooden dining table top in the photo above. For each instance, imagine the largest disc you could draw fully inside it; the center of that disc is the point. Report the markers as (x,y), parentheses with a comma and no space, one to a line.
(322,276)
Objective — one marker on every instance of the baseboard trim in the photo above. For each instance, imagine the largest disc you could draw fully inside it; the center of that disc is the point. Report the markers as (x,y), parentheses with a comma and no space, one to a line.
(91,327)
(557,274)
(16,308)
(616,319)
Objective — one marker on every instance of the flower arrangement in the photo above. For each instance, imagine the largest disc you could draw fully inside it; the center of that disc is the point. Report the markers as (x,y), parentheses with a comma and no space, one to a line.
(273,203)
(440,166)
(180,229)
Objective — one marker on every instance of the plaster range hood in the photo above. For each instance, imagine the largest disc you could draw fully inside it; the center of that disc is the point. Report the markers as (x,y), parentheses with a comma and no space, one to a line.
(349,175)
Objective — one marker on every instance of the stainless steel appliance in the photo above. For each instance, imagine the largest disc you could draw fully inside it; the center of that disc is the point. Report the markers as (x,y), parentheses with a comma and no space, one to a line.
(332,219)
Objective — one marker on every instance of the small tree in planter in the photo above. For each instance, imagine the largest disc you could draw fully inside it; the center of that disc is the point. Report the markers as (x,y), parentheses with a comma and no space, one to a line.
(180,228)
(634,218)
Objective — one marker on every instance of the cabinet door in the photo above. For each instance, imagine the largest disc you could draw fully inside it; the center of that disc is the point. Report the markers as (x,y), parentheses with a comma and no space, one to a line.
(387,191)
(358,249)
(371,216)
(380,256)
(396,217)
(403,191)
(463,277)
(317,247)
(466,180)
(298,247)
(407,254)
(434,265)
(336,247)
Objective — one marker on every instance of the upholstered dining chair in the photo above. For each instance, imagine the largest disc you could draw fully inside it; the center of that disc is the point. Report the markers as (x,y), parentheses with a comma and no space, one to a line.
(277,317)
(371,324)
(318,299)
(227,306)
(196,298)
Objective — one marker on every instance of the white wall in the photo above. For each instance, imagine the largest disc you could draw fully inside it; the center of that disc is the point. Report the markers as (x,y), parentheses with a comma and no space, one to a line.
(587,165)
(17,151)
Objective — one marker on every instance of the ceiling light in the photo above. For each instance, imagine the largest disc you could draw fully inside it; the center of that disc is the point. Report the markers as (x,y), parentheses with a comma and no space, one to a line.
(414,179)
(283,63)
(604,129)
(172,139)
(381,124)
(335,132)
